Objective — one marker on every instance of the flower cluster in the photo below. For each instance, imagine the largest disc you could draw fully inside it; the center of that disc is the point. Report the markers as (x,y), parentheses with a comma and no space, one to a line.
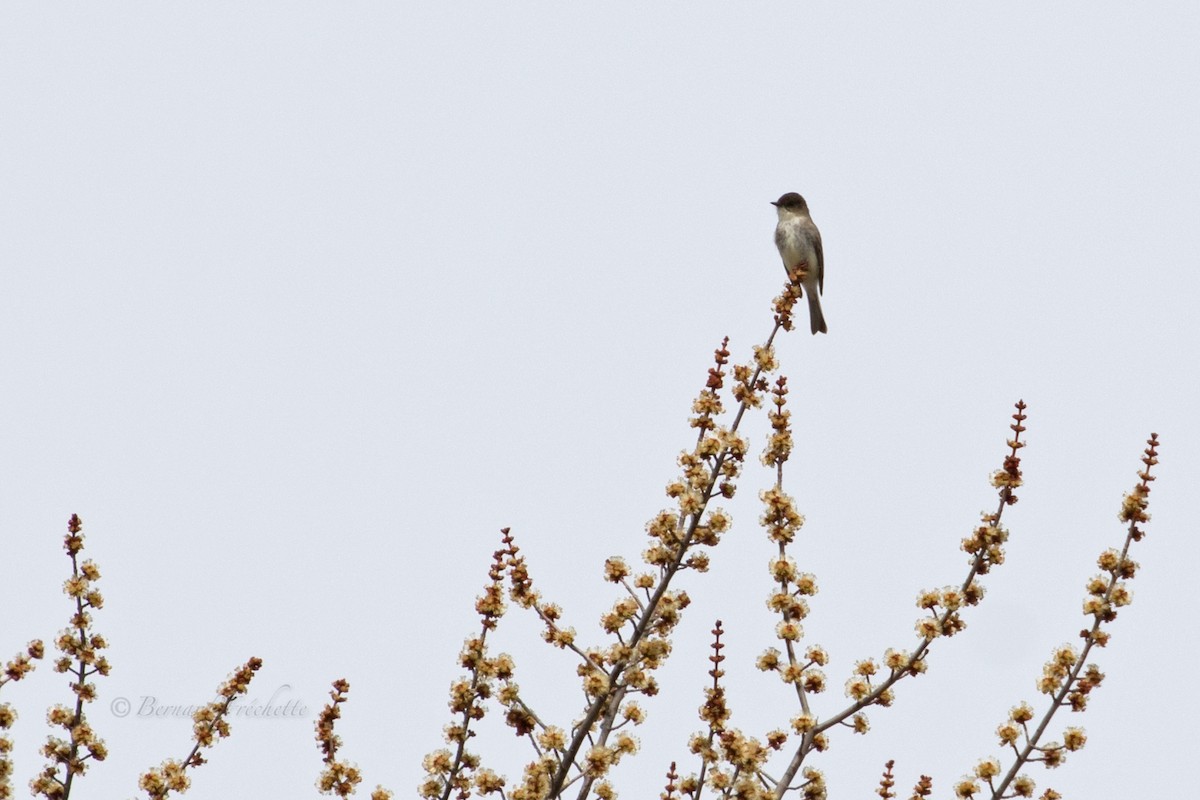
(923,788)
(339,778)
(785,303)
(81,658)
(730,761)
(456,771)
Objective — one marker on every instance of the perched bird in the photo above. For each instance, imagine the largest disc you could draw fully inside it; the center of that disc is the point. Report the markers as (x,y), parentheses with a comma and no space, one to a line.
(799,244)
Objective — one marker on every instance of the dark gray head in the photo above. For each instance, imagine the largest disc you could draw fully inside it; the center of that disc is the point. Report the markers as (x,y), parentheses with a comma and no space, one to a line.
(792,202)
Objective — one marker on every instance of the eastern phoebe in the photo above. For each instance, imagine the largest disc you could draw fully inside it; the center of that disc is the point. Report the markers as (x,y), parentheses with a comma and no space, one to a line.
(799,244)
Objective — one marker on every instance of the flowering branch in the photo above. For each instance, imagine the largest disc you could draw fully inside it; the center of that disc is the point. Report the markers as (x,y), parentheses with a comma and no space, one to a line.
(339,778)
(208,725)
(447,772)
(1067,677)
(79,647)
(943,606)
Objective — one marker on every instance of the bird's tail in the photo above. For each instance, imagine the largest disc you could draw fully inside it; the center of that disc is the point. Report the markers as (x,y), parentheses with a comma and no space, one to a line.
(815,317)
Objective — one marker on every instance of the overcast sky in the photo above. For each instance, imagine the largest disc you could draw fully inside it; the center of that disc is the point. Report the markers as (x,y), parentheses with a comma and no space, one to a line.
(301,302)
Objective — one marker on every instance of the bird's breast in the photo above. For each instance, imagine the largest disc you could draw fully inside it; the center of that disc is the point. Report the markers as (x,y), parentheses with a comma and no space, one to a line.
(793,243)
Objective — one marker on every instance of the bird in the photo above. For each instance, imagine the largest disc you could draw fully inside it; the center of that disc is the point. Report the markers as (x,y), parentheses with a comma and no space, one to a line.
(799,244)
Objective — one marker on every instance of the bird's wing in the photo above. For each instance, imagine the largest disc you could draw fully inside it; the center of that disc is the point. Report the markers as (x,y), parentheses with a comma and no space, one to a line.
(820,259)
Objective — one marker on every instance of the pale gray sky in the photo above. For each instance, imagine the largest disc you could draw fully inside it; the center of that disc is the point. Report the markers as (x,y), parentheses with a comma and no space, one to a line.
(301,302)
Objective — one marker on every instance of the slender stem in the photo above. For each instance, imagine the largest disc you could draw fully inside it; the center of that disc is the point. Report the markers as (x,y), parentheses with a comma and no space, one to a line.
(461,749)
(80,675)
